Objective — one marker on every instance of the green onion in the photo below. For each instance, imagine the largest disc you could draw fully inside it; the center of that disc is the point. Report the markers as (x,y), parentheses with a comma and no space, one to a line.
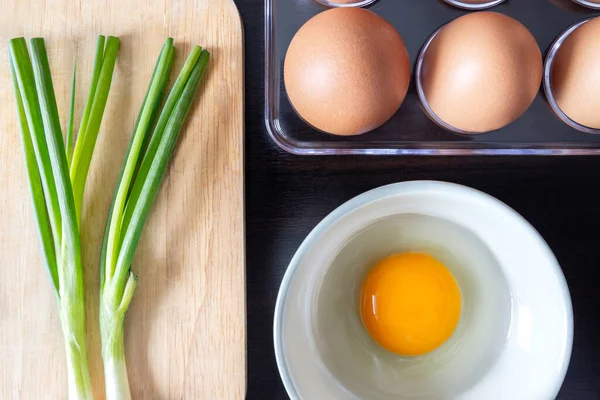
(104,65)
(55,196)
(149,151)
(69,139)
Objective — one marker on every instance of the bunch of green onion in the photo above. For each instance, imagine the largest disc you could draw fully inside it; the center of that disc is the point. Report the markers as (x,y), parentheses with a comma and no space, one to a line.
(151,145)
(57,171)
(57,178)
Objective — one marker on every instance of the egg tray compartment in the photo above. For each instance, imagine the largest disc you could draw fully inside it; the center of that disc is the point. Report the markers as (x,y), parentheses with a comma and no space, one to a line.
(410,131)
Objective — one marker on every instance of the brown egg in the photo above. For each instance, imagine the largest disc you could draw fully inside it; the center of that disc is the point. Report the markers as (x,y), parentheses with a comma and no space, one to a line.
(346,71)
(481,72)
(575,75)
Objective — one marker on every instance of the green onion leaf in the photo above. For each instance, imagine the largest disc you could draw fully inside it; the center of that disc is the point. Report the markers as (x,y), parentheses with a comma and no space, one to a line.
(90,126)
(155,164)
(23,75)
(35,186)
(95,76)
(143,125)
(159,130)
(70,251)
(69,139)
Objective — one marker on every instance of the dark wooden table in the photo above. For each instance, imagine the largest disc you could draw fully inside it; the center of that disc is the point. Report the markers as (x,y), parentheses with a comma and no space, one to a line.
(287,195)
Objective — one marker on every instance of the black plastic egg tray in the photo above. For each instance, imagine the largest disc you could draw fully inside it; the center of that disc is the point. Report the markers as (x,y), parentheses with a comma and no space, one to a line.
(410,131)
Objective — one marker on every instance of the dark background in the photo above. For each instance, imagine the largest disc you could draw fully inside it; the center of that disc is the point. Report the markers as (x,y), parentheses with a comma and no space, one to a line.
(287,195)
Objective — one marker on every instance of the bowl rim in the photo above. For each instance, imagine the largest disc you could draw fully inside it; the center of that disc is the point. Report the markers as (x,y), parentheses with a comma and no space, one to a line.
(391,190)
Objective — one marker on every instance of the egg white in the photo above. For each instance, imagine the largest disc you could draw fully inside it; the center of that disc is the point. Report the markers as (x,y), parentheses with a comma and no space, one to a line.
(367,370)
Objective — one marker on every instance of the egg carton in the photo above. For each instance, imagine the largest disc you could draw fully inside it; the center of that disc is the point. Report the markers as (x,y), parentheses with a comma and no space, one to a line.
(410,131)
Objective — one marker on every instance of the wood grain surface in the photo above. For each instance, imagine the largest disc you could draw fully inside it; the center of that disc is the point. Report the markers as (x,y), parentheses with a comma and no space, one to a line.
(185,329)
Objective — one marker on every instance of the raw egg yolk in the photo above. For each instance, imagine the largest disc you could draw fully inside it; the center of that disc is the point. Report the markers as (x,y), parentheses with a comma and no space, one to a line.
(410,303)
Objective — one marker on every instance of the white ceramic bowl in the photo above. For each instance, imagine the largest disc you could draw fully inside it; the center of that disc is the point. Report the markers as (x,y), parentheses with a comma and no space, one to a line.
(515,336)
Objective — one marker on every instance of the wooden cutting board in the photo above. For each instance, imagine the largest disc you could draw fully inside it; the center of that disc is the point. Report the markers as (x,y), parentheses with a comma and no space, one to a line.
(185,329)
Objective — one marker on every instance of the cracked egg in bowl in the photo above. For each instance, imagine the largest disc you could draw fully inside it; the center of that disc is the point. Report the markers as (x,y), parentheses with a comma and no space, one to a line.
(423,290)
